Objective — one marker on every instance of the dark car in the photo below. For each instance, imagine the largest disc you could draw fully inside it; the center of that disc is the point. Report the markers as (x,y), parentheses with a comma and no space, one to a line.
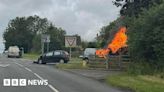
(60,56)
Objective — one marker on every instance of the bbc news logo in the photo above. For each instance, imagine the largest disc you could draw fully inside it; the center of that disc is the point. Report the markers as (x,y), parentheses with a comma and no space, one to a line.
(24,82)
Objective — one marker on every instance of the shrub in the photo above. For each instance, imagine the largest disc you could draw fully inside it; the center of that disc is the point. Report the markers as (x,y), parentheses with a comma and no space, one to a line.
(146,41)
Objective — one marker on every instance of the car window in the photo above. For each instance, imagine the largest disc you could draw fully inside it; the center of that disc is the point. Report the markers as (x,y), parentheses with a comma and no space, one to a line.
(56,53)
(49,54)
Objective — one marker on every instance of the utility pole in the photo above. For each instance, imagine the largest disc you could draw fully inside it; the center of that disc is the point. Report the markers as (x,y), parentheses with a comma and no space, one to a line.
(45,39)
(42,45)
(47,46)
(70,52)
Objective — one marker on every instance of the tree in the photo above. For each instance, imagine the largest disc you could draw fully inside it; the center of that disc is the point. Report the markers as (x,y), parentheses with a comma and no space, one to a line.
(146,41)
(36,44)
(84,45)
(92,45)
(57,37)
(37,25)
(107,32)
(134,7)
(17,33)
(26,32)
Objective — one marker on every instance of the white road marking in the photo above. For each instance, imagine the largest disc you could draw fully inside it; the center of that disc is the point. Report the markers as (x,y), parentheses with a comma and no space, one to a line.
(54,89)
(4,65)
(19,64)
(28,69)
(38,76)
(50,86)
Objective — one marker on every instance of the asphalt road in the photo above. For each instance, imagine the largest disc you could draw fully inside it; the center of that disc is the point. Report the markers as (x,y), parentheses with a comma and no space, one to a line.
(58,80)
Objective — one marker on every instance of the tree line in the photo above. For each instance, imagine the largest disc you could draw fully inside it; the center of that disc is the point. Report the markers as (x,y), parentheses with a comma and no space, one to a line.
(26,32)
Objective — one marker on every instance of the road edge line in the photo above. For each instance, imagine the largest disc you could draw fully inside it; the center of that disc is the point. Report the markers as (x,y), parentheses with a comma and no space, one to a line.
(54,89)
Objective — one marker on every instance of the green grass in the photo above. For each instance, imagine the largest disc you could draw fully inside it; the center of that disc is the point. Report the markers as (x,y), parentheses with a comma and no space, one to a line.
(138,83)
(31,56)
(77,63)
(74,63)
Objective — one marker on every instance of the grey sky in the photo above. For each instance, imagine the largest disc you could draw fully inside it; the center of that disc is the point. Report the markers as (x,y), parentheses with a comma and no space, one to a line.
(83,17)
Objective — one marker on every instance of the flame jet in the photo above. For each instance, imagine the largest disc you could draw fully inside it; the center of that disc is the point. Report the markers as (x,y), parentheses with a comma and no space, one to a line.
(119,41)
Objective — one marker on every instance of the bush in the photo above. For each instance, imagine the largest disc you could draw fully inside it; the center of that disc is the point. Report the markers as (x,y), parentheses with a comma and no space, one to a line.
(140,68)
(146,41)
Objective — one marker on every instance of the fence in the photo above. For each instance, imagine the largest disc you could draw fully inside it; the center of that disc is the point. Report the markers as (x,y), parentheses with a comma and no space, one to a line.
(116,62)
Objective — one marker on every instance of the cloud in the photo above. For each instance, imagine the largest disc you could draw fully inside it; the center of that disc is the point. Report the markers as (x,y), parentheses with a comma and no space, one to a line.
(83,17)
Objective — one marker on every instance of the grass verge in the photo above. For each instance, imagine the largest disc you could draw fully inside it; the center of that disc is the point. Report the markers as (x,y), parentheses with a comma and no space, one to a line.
(140,83)
(31,56)
(74,63)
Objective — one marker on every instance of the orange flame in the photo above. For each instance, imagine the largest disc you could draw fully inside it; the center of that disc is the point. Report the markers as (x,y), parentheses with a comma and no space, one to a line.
(118,42)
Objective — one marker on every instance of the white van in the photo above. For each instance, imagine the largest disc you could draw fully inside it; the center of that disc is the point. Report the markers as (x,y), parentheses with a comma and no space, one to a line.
(89,53)
(13,51)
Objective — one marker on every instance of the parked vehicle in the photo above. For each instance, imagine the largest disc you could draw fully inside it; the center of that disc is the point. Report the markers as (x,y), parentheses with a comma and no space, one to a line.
(89,53)
(60,56)
(14,51)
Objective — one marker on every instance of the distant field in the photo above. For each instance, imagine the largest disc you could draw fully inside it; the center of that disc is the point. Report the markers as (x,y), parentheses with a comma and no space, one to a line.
(137,83)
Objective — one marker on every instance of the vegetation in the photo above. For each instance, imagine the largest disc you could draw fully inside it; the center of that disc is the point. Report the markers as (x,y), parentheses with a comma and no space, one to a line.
(26,32)
(107,33)
(134,7)
(75,63)
(31,56)
(146,38)
(138,83)
(144,20)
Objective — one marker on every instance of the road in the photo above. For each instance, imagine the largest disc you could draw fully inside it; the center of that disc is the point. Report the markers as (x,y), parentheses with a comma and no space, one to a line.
(58,80)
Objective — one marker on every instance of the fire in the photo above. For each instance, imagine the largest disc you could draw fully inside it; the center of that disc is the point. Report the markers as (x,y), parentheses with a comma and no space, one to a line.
(118,42)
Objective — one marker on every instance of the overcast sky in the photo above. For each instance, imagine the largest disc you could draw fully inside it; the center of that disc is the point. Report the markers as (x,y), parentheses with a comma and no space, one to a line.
(83,17)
